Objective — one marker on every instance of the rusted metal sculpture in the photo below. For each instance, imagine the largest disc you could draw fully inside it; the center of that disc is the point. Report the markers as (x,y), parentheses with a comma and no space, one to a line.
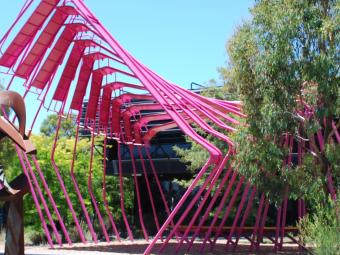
(13,193)
(7,129)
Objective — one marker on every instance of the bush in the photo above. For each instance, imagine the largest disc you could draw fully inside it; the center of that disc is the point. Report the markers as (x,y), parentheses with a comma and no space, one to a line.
(34,236)
(321,229)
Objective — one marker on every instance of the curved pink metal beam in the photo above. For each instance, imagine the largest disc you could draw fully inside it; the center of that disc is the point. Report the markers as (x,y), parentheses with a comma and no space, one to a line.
(199,121)
(119,85)
(152,132)
(206,109)
(209,113)
(122,99)
(217,104)
(130,112)
(214,152)
(142,77)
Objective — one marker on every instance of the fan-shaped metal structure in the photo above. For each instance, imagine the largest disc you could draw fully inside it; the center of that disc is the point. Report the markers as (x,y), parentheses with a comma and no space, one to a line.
(64,56)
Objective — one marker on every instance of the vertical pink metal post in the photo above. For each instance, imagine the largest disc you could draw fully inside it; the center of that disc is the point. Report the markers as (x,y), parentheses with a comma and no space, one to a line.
(62,185)
(76,186)
(106,204)
(139,203)
(93,198)
(121,190)
(148,187)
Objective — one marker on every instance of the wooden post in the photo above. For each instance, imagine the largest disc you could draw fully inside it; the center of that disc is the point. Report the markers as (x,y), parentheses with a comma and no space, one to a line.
(15,228)
(15,244)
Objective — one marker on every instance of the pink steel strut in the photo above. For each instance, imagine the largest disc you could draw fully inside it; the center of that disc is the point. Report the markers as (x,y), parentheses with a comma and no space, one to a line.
(76,186)
(93,198)
(148,187)
(62,185)
(208,210)
(122,203)
(35,199)
(139,204)
(106,204)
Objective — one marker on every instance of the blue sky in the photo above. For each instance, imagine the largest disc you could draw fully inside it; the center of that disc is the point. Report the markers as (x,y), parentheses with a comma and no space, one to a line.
(181,40)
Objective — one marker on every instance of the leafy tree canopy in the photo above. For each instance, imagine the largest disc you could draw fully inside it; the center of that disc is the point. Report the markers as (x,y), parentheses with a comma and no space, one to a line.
(288,50)
(50,124)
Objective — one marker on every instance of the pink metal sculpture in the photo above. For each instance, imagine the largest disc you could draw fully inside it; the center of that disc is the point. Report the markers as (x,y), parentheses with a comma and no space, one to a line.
(65,56)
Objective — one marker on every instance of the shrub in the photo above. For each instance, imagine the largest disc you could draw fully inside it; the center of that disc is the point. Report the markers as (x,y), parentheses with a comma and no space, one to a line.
(321,229)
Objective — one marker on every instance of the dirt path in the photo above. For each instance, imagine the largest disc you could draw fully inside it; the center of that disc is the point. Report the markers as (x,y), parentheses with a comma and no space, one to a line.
(137,247)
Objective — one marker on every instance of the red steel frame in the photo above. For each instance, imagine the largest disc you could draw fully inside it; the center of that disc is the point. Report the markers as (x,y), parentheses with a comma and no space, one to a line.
(71,39)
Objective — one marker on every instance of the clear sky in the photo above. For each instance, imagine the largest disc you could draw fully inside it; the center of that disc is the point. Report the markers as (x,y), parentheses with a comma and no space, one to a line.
(181,40)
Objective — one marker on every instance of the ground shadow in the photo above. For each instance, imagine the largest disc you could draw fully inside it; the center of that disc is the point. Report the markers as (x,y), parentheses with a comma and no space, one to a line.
(139,248)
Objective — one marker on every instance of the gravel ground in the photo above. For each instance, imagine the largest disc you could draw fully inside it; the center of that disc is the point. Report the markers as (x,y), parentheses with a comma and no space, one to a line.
(138,246)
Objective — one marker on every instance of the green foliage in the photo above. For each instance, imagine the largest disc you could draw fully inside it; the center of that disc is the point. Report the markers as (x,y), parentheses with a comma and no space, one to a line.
(49,126)
(33,236)
(289,50)
(9,159)
(321,229)
(194,158)
(63,157)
